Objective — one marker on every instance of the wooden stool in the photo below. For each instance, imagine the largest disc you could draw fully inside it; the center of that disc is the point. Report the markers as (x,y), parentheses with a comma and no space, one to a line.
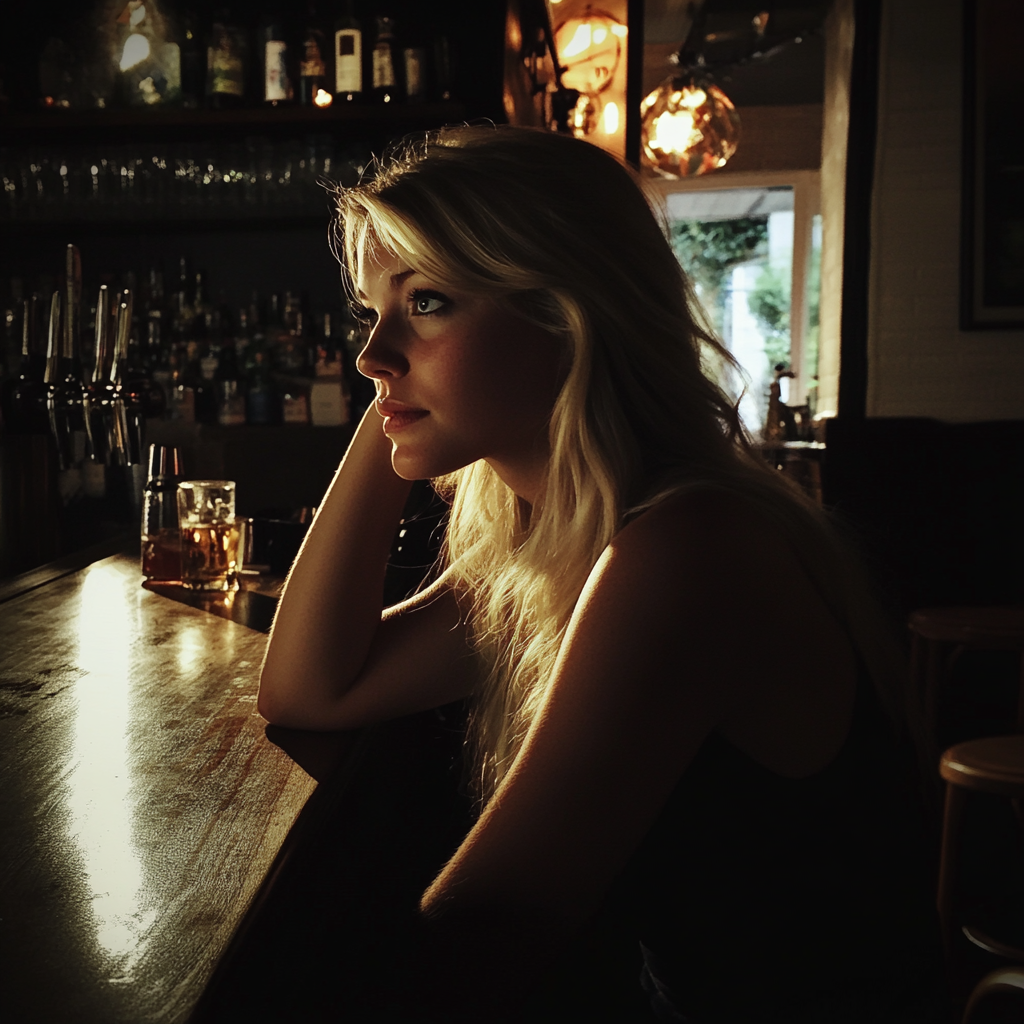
(994,765)
(1003,983)
(983,629)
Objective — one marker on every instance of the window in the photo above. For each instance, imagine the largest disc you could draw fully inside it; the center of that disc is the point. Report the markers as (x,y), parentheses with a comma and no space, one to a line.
(751,244)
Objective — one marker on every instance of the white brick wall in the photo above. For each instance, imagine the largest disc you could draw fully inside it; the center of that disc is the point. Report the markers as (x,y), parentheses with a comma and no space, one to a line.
(919,362)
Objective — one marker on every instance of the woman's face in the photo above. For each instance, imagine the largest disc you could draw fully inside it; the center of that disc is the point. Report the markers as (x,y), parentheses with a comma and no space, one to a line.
(458,377)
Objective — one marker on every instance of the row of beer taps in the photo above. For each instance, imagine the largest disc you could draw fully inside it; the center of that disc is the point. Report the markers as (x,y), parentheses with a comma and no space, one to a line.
(104,405)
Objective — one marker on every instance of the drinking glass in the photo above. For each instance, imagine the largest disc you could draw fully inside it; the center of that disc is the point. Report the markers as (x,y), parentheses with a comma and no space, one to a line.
(211,536)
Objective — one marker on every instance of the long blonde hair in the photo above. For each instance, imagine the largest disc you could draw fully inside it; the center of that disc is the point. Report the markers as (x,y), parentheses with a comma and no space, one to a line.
(563,235)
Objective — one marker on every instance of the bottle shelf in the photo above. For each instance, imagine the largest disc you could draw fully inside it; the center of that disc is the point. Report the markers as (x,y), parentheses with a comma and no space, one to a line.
(17,126)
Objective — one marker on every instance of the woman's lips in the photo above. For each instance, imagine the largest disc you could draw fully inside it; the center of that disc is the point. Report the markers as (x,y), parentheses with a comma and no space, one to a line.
(398,415)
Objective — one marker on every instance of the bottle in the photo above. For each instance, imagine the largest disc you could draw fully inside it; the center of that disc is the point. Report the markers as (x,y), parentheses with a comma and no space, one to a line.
(385,62)
(275,60)
(414,66)
(227,59)
(161,537)
(348,56)
(313,62)
(193,62)
(200,379)
(230,395)
(260,403)
(295,404)
(330,403)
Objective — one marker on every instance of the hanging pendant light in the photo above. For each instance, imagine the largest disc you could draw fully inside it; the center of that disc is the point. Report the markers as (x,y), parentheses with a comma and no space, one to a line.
(688,127)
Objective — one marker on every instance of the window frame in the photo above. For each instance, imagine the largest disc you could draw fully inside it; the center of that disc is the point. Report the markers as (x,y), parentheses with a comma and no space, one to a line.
(806,185)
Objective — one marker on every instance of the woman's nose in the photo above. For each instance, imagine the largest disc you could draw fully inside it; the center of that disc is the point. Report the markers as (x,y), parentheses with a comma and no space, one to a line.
(382,356)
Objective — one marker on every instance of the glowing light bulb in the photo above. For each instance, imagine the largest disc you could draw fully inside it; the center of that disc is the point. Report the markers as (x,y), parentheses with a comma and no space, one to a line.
(136,50)
(580,41)
(610,119)
(323,98)
(687,129)
(600,35)
(137,16)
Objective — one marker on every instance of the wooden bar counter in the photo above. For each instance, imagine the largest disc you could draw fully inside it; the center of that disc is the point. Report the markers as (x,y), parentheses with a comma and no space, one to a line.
(141,804)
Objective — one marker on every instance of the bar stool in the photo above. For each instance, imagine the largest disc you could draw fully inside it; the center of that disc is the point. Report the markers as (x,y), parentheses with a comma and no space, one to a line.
(984,629)
(993,765)
(1005,985)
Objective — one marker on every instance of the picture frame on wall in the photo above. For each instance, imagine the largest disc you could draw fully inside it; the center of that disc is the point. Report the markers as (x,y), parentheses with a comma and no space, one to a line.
(992,214)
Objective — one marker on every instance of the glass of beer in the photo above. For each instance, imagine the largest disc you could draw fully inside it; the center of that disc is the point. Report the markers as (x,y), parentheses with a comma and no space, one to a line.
(211,536)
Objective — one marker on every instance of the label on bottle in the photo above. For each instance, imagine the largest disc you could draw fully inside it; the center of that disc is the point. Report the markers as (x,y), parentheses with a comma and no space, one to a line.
(294,407)
(312,64)
(275,84)
(348,65)
(383,67)
(225,69)
(327,407)
(415,72)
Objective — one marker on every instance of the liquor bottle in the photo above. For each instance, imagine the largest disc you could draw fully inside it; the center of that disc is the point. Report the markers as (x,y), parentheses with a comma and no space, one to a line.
(243,338)
(227,59)
(230,396)
(348,56)
(385,62)
(65,401)
(161,537)
(414,65)
(295,404)
(275,59)
(330,402)
(260,399)
(444,69)
(313,62)
(193,62)
(204,396)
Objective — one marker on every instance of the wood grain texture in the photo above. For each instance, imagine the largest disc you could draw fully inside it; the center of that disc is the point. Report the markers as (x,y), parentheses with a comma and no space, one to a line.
(141,804)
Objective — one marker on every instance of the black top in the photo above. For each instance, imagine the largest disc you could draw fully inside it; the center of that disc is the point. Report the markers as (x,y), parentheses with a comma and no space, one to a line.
(762,898)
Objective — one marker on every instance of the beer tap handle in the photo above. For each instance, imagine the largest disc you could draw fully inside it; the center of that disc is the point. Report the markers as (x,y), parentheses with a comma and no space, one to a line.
(73,295)
(99,373)
(53,341)
(121,443)
(98,397)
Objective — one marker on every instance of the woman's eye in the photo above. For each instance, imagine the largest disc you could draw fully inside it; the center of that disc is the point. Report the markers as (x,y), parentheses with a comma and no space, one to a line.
(425,303)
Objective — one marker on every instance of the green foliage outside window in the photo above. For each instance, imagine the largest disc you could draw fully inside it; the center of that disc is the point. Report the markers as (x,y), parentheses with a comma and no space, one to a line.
(708,251)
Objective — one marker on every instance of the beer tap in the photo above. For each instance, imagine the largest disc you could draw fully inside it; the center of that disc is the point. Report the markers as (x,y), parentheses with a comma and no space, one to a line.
(24,406)
(100,393)
(126,408)
(65,400)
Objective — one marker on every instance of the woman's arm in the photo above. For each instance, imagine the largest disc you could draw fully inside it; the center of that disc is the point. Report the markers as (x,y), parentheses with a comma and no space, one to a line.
(673,637)
(333,662)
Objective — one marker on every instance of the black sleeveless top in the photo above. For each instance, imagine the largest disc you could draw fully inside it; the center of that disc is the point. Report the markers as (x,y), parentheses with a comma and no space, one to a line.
(758,898)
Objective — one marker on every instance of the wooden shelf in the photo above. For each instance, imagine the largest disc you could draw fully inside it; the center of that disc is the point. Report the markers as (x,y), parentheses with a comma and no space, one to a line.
(165,224)
(17,125)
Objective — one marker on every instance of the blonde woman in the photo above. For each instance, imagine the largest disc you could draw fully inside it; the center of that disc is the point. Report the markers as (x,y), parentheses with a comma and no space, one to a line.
(679,689)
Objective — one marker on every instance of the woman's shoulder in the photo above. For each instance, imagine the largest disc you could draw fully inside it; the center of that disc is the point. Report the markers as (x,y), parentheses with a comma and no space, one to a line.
(706,520)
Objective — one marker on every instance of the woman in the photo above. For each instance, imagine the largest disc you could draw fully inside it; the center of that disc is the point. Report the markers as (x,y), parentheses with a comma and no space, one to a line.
(681,695)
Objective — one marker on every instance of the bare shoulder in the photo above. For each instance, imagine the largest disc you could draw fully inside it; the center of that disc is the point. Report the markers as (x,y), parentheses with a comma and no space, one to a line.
(710,538)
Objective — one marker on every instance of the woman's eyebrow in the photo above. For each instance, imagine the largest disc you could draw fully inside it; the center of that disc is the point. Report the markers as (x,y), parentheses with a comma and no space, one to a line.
(394,281)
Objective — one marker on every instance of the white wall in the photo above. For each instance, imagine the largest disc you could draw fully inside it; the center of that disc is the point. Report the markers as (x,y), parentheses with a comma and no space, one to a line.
(919,362)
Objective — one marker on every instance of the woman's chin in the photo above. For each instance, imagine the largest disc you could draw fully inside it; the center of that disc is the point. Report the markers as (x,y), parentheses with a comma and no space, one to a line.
(412,465)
